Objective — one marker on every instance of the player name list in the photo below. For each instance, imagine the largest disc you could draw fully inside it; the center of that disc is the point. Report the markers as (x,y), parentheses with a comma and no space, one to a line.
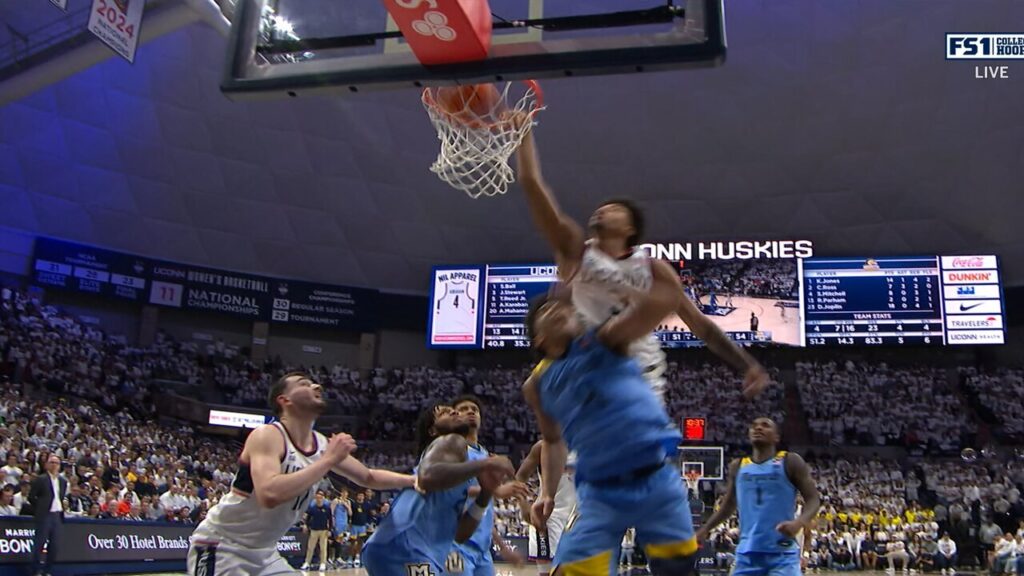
(881,301)
(509,291)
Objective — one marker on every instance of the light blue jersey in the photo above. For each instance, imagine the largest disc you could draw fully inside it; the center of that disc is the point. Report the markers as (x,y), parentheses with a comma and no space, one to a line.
(765,497)
(624,439)
(416,533)
(607,412)
(476,552)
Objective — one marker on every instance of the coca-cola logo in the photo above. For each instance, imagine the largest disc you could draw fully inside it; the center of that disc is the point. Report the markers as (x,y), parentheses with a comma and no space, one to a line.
(972,262)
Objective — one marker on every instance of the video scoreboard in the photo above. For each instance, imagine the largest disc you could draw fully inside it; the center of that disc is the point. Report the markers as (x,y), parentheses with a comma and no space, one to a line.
(930,300)
(815,301)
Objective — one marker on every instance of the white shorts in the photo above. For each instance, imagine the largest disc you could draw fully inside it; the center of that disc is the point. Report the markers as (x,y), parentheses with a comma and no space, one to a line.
(207,558)
(543,547)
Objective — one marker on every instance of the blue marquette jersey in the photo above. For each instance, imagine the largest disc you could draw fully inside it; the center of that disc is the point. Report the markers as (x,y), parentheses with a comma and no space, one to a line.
(420,526)
(765,497)
(607,411)
(478,547)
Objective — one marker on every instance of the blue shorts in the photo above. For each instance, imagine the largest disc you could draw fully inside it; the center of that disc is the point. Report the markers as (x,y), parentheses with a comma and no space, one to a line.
(469,562)
(358,530)
(766,564)
(656,505)
(397,558)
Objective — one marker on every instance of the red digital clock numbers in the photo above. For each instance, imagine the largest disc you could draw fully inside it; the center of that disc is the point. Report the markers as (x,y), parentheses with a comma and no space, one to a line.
(694,428)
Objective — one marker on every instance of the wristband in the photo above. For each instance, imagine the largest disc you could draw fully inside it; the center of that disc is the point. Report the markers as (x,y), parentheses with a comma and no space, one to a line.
(476,511)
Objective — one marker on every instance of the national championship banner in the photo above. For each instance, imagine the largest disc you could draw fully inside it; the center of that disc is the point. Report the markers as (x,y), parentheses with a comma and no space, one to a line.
(86,541)
(80,268)
(118,24)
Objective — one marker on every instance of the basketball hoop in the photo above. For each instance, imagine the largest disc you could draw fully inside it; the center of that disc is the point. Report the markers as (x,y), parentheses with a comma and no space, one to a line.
(476,142)
(693,481)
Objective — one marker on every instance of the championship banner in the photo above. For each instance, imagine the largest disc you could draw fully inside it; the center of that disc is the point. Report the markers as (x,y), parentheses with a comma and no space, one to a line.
(81,268)
(86,541)
(91,270)
(118,24)
(321,305)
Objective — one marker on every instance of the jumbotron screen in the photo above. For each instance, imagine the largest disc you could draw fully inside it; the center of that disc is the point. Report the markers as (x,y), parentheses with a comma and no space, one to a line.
(759,293)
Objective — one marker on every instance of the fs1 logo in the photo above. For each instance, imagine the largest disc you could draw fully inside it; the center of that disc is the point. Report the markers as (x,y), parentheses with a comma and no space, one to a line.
(984,46)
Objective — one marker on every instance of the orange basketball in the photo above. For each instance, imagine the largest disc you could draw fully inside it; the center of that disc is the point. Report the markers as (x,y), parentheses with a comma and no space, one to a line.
(469,103)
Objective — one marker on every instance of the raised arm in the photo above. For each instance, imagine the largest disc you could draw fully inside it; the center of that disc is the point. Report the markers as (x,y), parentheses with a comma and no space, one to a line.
(272,488)
(755,377)
(528,467)
(375,478)
(648,309)
(726,508)
(563,235)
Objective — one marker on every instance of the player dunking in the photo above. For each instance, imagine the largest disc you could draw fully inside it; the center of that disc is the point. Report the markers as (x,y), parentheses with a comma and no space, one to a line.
(588,390)
(278,470)
(543,544)
(416,536)
(606,268)
(764,486)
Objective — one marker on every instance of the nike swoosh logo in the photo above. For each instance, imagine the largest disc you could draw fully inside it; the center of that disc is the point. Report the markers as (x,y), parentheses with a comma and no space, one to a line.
(966,308)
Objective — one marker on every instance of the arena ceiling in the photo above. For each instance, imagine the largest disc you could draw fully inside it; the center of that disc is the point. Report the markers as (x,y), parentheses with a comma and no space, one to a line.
(835,121)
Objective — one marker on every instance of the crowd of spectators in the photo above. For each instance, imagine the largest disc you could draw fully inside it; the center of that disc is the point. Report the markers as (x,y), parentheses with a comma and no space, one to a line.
(72,390)
(1000,394)
(873,404)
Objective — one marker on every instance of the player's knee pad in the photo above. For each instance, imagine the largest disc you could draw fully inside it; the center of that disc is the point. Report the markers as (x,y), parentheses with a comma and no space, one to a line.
(674,566)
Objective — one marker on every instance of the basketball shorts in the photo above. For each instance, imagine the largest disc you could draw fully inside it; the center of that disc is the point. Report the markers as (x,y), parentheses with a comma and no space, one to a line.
(656,505)
(767,564)
(358,530)
(468,562)
(397,558)
(207,558)
(544,545)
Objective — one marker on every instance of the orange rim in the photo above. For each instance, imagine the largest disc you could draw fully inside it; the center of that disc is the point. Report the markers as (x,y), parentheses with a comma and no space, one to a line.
(429,100)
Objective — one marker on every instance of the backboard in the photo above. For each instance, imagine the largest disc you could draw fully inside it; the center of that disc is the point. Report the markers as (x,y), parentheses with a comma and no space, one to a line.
(708,460)
(292,47)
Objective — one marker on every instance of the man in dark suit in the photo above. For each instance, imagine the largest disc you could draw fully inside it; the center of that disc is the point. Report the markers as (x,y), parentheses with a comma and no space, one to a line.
(47,500)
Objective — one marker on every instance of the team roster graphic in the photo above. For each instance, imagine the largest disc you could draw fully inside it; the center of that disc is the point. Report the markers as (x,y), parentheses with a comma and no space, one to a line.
(455,307)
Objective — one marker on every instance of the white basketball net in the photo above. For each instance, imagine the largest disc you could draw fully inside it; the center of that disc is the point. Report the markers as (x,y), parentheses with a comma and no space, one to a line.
(475,147)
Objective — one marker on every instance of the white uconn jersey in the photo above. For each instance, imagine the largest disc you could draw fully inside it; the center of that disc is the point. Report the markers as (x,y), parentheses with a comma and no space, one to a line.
(240,520)
(600,288)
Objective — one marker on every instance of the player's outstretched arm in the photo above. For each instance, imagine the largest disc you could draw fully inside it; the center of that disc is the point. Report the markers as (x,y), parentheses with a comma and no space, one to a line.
(563,235)
(648,311)
(271,487)
(726,508)
(799,474)
(528,467)
(755,378)
(374,478)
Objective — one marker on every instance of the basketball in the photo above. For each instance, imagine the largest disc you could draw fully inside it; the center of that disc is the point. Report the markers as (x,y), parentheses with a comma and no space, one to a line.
(469,103)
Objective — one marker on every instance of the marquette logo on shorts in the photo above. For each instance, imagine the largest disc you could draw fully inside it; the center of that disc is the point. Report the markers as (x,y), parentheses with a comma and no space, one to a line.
(984,46)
